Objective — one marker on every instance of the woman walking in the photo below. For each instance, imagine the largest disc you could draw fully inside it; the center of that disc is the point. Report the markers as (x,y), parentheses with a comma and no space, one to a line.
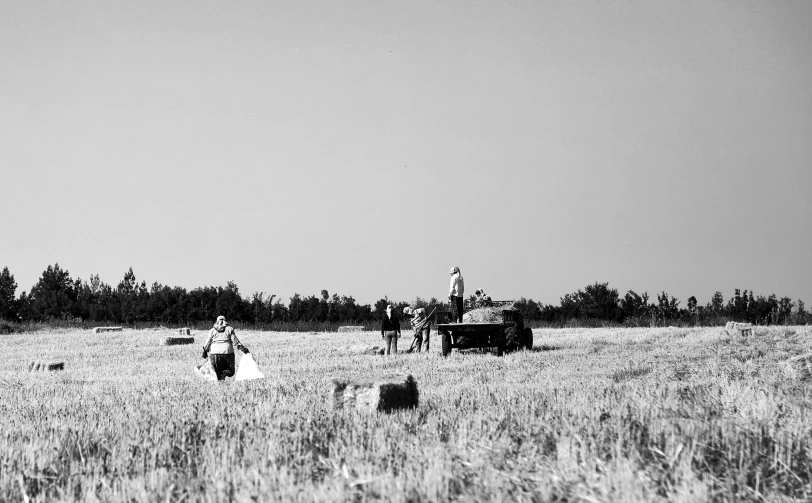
(219,348)
(390,329)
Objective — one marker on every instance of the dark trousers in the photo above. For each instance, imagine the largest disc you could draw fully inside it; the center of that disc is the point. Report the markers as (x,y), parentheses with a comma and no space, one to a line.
(456,309)
(223,365)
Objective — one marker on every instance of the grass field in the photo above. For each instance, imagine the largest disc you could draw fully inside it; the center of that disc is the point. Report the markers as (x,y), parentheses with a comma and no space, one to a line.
(588,415)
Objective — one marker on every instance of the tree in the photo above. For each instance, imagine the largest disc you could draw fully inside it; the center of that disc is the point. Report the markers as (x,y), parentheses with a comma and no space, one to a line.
(380,306)
(667,308)
(633,305)
(717,303)
(230,304)
(598,301)
(785,306)
(132,298)
(800,315)
(54,294)
(529,308)
(692,305)
(8,288)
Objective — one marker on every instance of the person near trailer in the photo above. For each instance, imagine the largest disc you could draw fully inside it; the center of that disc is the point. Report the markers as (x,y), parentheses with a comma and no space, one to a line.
(456,290)
(420,324)
(219,348)
(482,299)
(390,329)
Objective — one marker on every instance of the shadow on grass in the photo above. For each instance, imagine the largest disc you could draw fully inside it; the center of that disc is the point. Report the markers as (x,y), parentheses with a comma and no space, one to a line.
(545,347)
(630,373)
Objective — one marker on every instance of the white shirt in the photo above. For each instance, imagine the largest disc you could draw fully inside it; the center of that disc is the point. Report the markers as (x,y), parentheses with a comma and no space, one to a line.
(457,286)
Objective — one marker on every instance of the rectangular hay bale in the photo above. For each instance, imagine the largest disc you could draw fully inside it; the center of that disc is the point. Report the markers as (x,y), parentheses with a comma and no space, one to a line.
(37,366)
(184,331)
(350,328)
(177,341)
(803,366)
(98,330)
(382,393)
(736,328)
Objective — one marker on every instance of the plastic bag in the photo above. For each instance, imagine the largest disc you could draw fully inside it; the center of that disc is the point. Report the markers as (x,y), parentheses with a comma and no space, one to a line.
(248,369)
(206,371)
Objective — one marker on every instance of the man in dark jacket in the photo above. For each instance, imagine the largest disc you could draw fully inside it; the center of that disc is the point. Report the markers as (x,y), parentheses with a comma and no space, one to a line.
(390,329)
(219,348)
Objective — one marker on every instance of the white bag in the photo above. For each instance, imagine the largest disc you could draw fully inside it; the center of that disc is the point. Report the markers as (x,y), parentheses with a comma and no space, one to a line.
(248,369)
(206,371)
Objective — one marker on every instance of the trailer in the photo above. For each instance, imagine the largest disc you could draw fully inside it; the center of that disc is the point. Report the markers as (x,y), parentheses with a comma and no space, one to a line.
(509,335)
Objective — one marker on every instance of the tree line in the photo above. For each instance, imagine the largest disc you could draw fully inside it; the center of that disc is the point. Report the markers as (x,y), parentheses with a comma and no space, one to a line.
(56,297)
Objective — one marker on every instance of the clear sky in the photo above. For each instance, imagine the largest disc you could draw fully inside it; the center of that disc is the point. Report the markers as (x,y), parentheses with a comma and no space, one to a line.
(367,147)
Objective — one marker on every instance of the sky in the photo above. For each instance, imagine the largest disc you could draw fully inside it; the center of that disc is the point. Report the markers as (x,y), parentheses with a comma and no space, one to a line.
(366,147)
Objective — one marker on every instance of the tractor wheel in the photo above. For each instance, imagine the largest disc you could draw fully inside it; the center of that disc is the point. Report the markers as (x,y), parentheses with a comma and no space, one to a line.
(512,342)
(528,338)
(446,344)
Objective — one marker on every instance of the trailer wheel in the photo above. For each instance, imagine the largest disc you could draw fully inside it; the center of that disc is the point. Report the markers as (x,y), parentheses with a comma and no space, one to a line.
(446,344)
(528,338)
(512,342)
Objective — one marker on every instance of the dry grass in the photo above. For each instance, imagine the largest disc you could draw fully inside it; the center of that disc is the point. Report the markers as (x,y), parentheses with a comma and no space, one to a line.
(714,417)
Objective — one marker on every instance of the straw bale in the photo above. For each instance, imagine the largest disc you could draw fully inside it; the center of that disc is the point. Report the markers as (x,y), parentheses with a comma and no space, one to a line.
(735,328)
(177,341)
(98,330)
(366,350)
(37,366)
(184,331)
(382,393)
(351,328)
(803,366)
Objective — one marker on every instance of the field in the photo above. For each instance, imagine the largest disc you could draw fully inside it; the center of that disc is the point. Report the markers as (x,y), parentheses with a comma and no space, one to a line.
(588,415)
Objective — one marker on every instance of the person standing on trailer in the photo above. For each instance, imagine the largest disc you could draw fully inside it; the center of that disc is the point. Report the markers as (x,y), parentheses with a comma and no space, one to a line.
(219,348)
(455,292)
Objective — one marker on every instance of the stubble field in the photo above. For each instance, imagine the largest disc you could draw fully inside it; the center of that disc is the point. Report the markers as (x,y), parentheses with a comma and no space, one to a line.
(587,415)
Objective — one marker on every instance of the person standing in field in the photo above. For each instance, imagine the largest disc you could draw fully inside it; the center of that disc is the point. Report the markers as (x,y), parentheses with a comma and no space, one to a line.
(456,290)
(219,348)
(420,325)
(390,329)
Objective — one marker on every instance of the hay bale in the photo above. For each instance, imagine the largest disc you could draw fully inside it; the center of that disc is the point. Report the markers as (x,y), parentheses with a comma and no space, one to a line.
(366,350)
(485,314)
(5,328)
(98,330)
(177,341)
(37,366)
(382,393)
(803,366)
(184,331)
(350,328)
(735,328)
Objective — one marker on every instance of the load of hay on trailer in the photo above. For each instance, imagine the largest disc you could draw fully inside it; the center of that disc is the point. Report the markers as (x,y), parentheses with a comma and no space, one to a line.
(499,326)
